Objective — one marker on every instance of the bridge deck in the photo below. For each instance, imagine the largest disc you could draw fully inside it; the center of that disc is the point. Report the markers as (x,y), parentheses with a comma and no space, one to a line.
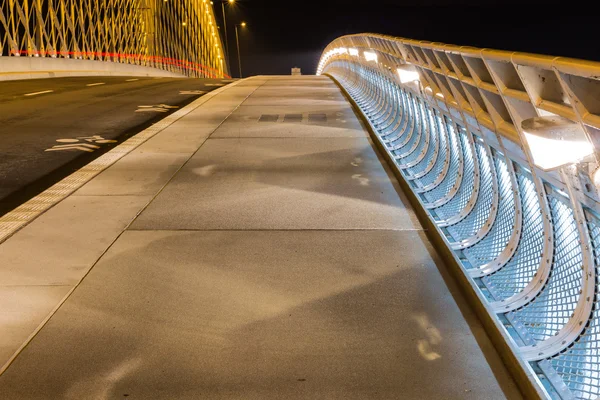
(255,249)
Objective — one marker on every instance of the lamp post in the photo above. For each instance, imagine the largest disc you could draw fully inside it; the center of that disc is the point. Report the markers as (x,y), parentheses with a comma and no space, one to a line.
(237,37)
(225,25)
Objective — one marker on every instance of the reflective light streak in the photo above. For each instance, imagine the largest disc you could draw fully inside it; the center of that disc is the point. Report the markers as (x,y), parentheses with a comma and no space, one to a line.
(130,58)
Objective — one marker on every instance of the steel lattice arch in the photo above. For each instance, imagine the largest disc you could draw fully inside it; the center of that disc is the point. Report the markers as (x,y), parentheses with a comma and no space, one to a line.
(527,239)
(174,35)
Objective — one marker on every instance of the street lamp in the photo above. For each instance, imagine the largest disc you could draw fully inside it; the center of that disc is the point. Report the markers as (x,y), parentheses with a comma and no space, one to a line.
(225,25)
(237,37)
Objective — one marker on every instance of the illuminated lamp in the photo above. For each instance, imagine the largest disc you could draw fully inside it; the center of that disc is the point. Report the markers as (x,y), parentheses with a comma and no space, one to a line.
(370,56)
(555,141)
(408,73)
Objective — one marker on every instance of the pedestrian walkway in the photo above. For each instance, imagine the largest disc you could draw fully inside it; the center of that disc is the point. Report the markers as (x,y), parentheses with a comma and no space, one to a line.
(257,248)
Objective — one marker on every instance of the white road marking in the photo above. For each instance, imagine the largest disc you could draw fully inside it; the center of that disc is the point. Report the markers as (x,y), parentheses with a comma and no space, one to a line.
(96,84)
(68,140)
(192,92)
(75,144)
(91,146)
(131,80)
(79,146)
(96,139)
(158,108)
(214,84)
(153,109)
(37,93)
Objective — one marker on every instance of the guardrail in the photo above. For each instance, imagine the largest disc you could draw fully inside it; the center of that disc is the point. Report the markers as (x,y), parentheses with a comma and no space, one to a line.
(176,36)
(526,238)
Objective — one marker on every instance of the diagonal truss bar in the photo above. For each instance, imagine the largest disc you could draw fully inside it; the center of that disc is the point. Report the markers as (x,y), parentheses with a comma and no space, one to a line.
(179,36)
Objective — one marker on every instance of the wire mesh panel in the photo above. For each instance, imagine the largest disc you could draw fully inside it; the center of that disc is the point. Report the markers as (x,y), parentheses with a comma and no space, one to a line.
(454,170)
(397,137)
(579,366)
(471,225)
(396,128)
(406,143)
(431,154)
(418,148)
(525,263)
(459,201)
(553,308)
(490,247)
(443,154)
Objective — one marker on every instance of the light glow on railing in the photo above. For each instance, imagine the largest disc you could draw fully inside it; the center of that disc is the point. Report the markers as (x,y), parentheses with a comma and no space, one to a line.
(331,53)
(370,56)
(408,75)
(528,238)
(555,141)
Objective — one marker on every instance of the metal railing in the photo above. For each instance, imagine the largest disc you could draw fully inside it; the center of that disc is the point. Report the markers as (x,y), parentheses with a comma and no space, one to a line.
(177,36)
(528,239)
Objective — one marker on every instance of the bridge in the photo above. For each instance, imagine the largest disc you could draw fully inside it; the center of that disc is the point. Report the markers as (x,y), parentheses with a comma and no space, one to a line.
(417,220)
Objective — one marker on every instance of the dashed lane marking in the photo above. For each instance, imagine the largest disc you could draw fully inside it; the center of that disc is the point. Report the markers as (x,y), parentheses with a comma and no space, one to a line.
(38,93)
(95,84)
(131,80)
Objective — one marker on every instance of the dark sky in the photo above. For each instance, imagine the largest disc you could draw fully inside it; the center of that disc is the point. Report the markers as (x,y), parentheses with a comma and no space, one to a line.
(283,34)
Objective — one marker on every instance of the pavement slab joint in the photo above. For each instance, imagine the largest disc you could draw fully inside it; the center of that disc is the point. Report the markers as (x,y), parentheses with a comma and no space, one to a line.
(284,262)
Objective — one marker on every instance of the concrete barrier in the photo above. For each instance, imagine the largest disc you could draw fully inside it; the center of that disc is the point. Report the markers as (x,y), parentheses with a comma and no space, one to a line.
(18,68)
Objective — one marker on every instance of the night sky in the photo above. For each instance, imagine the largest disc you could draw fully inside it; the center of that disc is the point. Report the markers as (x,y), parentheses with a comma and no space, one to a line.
(283,34)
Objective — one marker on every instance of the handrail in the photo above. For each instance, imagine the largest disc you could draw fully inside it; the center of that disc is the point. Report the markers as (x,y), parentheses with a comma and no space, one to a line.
(176,36)
(527,239)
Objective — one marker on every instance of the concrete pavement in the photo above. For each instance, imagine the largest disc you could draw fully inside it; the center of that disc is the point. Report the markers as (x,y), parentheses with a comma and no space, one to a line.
(256,248)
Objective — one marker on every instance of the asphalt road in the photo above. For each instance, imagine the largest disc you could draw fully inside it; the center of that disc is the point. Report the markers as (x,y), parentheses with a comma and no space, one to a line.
(49,128)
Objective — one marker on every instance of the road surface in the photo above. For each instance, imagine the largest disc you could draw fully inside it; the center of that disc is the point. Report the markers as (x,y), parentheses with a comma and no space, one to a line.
(49,128)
